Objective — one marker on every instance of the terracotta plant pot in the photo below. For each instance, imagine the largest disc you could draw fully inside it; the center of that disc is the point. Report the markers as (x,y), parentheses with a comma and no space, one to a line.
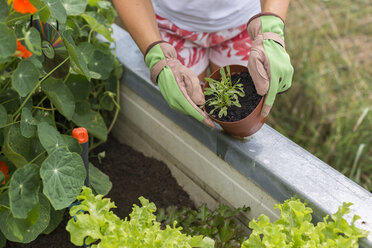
(246,126)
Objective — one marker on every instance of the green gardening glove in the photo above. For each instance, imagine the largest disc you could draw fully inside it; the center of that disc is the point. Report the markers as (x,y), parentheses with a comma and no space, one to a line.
(269,64)
(179,85)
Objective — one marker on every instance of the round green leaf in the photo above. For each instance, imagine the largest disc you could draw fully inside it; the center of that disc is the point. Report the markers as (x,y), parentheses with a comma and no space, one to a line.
(57,10)
(49,137)
(63,174)
(33,41)
(24,190)
(25,77)
(74,7)
(79,86)
(4,11)
(102,64)
(60,95)
(9,98)
(2,240)
(16,147)
(91,120)
(28,124)
(72,143)
(26,230)
(3,116)
(99,181)
(8,41)
(96,22)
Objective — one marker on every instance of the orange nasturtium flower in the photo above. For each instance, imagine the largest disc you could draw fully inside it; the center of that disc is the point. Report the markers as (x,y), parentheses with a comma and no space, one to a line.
(23,6)
(4,169)
(22,51)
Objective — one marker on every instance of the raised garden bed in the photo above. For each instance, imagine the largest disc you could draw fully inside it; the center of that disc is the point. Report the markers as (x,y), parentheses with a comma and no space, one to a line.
(132,175)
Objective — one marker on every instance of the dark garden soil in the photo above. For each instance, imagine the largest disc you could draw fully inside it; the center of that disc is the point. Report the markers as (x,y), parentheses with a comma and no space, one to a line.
(248,102)
(132,175)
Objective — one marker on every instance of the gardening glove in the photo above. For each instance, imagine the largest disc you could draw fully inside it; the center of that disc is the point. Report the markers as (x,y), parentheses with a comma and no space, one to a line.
(269,64)
(179,85)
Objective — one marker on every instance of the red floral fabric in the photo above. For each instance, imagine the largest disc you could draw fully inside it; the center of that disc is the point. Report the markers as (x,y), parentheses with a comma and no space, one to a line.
(196,49)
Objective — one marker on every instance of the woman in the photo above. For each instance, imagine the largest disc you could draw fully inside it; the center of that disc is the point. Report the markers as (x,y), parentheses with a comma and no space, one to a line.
(180,39)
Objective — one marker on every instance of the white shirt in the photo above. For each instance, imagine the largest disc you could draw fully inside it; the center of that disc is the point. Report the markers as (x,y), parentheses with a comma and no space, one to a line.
(207,15)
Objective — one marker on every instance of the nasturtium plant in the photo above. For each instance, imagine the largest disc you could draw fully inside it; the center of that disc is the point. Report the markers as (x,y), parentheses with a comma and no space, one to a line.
(43,97)
(295,229)
(95,224)
(224,93)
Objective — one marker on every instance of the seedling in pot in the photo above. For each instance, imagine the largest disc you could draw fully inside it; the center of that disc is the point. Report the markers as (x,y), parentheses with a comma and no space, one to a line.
(224,93)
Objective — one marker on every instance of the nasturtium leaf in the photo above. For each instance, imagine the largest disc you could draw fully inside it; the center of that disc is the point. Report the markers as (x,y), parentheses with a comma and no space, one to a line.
(4,11)
(95,22)
(28,124)
(79,87)
(74,7)
(3,116)
(43,10)
(8,41)
(76,56)
(102,64)
(104,4)
(16,147)
(91,120)
(24,190)
(36,222)
(2,240)
(72,143)
(37,151)
(9,98)
(49,137)
(99,181)
(63,174)
(87,50)
(43,116)
(57,10)
(25,77)
(60,95)
(92,2)
(56,217)
(33,41)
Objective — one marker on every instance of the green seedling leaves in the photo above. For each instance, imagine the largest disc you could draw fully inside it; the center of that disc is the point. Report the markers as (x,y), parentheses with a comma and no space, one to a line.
(91,120)
(24,190)
(99,181)
(60,95)
(59,169)
(8,41)
(26,230)
(25,77)
(33,41)
(74,7)
(28,123)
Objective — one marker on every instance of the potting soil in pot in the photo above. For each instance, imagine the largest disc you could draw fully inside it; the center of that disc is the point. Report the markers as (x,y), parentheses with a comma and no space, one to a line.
(248,102)
(132,175)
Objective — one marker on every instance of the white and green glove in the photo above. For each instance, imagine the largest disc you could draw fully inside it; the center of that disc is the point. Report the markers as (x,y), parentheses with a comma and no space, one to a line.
(179,85)
(269,64)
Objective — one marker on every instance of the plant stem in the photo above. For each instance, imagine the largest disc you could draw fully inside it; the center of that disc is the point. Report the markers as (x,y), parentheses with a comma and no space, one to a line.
(33,160)
(117,104)
(10,124)
(37,86)
(46,109)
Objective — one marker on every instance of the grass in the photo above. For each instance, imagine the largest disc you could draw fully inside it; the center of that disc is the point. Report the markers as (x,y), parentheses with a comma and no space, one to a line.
(328,110)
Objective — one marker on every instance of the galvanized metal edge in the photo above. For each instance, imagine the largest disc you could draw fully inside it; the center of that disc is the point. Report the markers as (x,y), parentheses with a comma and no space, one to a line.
(273,162)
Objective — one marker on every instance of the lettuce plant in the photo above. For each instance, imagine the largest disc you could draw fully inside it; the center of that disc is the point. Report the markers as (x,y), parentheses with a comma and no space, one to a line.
(224,93)
(294,229)
(94,222)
